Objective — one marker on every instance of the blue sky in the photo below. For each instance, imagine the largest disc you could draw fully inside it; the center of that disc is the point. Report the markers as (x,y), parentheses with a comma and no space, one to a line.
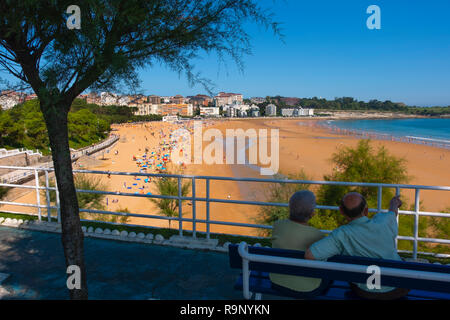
(329,52)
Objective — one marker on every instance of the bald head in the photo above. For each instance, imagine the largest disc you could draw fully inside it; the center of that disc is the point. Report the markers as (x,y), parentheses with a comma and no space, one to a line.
(301,206)
(353,204)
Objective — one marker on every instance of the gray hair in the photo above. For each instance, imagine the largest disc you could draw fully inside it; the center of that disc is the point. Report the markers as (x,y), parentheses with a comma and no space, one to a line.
(301,206)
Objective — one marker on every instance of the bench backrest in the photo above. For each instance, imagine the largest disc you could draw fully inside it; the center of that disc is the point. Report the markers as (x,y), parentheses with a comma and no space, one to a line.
(386,280)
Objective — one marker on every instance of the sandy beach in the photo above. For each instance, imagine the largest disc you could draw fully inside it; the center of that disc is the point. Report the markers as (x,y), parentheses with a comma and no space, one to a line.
(301,146)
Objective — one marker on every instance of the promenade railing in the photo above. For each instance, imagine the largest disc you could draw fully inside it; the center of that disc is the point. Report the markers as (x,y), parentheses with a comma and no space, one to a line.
(208,200)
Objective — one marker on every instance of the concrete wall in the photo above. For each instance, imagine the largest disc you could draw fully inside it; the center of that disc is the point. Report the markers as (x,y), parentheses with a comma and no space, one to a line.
(20,160)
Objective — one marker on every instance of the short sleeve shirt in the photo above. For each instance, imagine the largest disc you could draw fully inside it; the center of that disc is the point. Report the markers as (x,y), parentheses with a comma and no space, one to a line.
(363,237)
(291,235)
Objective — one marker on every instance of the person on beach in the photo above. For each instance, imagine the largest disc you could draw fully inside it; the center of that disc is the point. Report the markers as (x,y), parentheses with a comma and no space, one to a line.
(363,237)
(295,234)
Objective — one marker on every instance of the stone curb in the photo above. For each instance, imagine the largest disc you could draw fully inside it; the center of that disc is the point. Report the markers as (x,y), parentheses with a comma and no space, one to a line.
(114,234)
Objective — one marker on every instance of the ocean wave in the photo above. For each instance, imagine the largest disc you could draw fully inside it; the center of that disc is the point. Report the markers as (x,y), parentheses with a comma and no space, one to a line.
(428,139)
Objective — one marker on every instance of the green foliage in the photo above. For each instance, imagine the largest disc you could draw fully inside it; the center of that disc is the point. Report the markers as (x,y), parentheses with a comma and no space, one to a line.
(107,217)
(3,192)
(90,182)
(169,187)
(82,182)
(349,103)
(113,114)
(279,193)
(360,164)
(89,200)
(24,127)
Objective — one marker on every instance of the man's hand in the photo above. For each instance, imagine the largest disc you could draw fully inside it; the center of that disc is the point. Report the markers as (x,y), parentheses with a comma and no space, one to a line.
(309,255)
(395,204)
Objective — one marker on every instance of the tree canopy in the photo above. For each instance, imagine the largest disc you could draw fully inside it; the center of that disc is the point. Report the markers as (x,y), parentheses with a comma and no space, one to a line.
(116,38)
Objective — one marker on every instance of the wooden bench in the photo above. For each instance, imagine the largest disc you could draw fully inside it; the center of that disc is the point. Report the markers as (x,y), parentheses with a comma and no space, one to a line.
(426,281)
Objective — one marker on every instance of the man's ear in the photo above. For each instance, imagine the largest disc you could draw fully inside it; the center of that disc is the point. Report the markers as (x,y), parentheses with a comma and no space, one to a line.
(366,211)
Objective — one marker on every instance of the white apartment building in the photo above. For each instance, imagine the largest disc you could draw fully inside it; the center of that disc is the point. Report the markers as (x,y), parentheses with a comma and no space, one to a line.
(7,102)
(297,112)
(145,109)
(271,110)
(209,111)
(224,98)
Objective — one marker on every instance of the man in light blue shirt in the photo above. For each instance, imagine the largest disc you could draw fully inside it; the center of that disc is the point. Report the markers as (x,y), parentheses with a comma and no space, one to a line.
(363,237)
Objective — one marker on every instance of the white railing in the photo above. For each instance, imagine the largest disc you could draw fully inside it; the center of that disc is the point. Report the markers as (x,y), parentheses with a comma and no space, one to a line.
(208,200)
(8,153)
(22,173)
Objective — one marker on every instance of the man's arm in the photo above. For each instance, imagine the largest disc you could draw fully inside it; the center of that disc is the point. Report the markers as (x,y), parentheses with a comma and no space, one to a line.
(395,204)
(325,248)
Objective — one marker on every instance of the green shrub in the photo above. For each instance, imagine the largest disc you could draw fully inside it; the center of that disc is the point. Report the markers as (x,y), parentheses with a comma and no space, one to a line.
(279,193)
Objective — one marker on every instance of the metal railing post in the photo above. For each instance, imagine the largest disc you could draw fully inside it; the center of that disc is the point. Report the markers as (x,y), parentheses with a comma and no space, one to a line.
(379,198)
(207,209)
(47,196)
(416,222)
(58,206)
(180,209)
(208,199)
(194,213)
(38,198)
(397,193)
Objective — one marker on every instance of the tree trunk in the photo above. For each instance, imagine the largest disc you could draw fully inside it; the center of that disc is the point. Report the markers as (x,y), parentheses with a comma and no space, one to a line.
(72,235)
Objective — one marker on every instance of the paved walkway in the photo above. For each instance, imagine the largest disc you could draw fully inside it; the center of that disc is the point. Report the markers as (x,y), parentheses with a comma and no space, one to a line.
(116,270)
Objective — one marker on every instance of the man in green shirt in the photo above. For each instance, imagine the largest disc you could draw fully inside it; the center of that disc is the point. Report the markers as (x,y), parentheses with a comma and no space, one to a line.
(295,234)
(363,237)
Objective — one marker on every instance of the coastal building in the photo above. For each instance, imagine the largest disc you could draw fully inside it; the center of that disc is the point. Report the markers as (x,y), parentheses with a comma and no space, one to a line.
(145,109)
(237,109)
(182,109)
(170,118)
(271,110)
(288,112)
(178,99)
(108,99)
(92,98)
(165,99)
(31,97)
(209,111)
(297,112)
(231,112)
(200,100)
(153,99)
(242,113)
(138,99)
(254,113)
(9,99)
(224,98)
(308,112)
